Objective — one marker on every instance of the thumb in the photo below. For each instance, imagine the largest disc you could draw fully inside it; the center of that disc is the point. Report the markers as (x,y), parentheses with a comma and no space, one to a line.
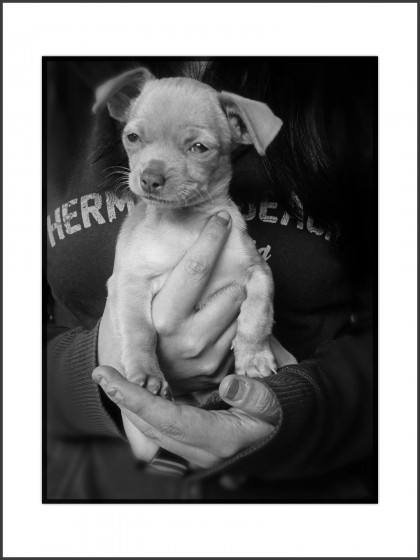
(252,396)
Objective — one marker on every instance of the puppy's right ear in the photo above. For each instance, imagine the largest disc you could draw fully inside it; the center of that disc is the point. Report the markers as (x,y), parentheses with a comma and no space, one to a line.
(118,92)
(251,122)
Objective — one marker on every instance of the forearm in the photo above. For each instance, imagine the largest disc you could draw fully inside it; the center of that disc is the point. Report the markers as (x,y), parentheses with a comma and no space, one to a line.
(327,410)
(74,403)
(326,418)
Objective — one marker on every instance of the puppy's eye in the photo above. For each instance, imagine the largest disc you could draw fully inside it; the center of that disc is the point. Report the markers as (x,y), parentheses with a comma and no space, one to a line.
(198,148)
(133,137)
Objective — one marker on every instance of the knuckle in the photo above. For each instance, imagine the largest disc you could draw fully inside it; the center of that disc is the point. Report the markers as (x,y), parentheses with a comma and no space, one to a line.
(213,234)
(216,225)
(192,346)
(196,266)
(136,408)
(151,433)
(162,325)
(266,406)
(173,430)
(209,367)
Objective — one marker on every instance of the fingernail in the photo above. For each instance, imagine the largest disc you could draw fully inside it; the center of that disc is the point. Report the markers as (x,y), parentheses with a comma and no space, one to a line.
(235,390)
(96,377)
(223,218)
(114,393)
(100,380)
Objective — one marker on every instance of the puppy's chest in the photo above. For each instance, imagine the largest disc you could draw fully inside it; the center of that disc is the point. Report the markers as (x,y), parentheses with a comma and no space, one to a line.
(160,249)
(152,252)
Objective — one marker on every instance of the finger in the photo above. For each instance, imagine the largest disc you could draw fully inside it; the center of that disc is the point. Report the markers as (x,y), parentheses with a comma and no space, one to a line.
(224,344)
(188,280)
(192,453)
(160,413)
(227,366)
(203,380)
(138,405)
(251,396)
(218,314)
(206,430)
(145,447)
(130,395)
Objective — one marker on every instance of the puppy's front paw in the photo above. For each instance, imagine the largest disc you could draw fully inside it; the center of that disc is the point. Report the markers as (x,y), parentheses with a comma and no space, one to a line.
(254,360)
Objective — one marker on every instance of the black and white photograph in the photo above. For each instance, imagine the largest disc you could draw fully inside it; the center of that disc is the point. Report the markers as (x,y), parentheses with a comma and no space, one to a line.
(210,279)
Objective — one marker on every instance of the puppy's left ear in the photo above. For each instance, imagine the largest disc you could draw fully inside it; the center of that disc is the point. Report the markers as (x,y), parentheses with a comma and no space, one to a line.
(251,122)
(118,92)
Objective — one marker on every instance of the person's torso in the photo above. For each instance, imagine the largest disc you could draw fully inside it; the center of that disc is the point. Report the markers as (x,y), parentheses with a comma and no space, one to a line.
(87,200)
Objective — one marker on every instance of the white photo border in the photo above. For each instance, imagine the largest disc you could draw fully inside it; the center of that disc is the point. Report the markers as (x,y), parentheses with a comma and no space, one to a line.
(387,30)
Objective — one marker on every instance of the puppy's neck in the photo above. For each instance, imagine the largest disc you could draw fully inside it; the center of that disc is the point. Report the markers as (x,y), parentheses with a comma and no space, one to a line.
(209,205)
(188,215)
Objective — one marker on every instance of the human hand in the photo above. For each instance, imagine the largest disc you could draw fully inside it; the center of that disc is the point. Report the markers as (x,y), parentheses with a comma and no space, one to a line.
(202,437)
(194,346)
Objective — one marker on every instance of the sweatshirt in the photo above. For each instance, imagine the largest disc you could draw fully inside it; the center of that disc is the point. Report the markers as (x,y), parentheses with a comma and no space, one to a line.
(322,448)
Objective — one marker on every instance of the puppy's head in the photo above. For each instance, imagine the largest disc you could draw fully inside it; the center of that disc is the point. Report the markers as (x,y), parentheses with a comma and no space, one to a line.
(179,134)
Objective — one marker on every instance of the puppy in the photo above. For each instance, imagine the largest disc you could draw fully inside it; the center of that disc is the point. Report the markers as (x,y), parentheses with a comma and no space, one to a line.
(179,135)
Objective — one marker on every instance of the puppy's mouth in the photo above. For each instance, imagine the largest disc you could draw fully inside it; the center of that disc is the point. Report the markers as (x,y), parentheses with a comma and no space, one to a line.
(182,199)
(156,199)
(161,201)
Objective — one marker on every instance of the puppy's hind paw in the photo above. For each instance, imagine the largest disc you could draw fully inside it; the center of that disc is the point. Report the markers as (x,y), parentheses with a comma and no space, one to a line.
(158,386)
(255,361)
(153,381)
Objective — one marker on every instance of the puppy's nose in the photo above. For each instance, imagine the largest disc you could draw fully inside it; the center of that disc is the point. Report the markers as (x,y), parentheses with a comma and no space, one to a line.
(151,179)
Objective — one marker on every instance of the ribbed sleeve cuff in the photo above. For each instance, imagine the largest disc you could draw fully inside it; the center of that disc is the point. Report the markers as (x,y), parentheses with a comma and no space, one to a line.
(75,398)
(298,397)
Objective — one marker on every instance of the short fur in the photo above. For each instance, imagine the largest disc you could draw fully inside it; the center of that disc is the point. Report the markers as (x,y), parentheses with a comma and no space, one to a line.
(178,190)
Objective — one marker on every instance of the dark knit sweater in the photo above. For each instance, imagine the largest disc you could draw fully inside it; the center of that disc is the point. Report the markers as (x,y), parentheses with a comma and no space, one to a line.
(326,401)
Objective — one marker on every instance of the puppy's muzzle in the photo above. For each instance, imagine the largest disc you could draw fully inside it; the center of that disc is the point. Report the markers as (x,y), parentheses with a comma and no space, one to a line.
(153,179)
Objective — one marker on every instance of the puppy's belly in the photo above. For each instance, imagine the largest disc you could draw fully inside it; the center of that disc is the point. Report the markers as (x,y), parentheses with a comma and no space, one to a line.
(153,257)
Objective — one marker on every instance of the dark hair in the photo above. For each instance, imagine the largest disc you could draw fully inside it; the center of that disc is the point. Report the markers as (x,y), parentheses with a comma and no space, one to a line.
(324,152)
(324,155)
